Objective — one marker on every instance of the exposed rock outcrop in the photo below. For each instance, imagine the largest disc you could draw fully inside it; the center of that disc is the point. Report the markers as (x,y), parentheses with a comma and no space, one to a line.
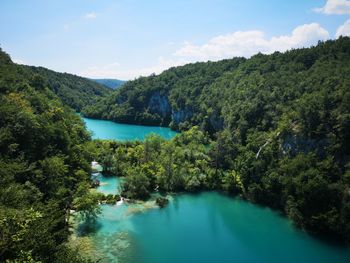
(159,104)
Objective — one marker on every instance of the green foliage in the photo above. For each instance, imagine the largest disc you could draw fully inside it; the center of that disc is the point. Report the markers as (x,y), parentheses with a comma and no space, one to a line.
(15,229)
(137,184)
(150,100)
(232,182)
(44,160)
(180,164)
(73,90)
(86,203)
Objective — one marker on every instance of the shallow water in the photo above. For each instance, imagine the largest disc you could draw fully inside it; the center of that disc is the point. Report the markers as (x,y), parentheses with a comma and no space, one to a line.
(110,130)
(208,227)
(109,184)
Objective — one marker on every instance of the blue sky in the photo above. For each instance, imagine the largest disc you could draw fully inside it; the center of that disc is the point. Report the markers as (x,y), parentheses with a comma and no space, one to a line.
(128,38)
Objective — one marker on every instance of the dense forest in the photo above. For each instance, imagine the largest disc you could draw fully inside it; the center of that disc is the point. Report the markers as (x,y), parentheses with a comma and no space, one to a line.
(73,90)
(172,96)
(45,167)
(277,131)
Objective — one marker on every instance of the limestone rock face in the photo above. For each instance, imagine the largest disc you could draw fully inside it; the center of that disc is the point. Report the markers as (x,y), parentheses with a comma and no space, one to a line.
(159,104)
(181,115)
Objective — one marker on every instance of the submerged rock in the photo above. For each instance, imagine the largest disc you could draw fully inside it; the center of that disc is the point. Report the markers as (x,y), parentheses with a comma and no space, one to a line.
(162,201)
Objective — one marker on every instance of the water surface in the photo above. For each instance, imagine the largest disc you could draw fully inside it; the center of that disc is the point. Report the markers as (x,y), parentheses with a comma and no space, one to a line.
(207,227)
(109,184)
(110,130)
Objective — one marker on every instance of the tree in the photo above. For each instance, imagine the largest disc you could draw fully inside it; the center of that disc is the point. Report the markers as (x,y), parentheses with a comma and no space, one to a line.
(231,182)
(15,228)
(136,184)
(86,203)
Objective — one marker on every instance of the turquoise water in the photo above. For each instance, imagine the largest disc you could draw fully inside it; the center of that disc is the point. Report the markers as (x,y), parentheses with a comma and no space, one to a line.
(123,132)
(109,184)
(207,227)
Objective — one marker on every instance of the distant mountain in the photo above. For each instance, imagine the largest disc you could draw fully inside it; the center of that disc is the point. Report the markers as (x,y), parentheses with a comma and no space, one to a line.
(110,83)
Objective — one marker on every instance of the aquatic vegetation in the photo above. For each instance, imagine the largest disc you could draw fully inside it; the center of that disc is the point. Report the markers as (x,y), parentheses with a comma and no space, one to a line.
(140,207)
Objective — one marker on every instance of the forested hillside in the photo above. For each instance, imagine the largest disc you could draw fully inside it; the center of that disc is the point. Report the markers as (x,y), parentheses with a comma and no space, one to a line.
(73,90)
(172,96)
(210,94)
(45,166)
(280,126)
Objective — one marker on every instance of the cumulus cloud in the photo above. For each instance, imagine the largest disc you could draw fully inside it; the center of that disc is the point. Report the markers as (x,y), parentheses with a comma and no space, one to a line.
(19,61)
(247,43)
(101,71)
(344,29)
(334,7)
(114,70)
(240,43)
(91,15)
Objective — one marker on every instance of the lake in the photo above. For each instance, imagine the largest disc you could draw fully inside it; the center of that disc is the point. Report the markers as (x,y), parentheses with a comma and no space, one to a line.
(110,130)
(205,227)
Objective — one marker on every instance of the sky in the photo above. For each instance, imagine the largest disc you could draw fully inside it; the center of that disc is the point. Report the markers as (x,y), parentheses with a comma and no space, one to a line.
(125,39)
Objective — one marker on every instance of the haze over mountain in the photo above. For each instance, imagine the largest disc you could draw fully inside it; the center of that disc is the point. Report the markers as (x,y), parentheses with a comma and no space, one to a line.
(110,83)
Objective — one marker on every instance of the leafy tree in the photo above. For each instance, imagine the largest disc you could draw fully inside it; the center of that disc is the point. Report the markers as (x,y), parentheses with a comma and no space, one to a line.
(86,203)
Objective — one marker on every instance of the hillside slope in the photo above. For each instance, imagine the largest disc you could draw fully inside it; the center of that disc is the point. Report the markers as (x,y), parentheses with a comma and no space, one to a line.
(73,90)
(44,162)
(158,100)
(203,93)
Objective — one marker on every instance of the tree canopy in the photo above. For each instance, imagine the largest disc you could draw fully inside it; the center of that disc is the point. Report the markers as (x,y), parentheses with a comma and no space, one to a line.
(44,161)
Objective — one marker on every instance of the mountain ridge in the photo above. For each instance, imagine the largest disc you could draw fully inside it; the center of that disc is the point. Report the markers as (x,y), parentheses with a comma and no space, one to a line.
(75,91)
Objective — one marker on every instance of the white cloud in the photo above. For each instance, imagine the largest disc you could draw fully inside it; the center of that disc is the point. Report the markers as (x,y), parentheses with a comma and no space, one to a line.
(247,43)
(334,7)
(344,29)
(114,70)
(240,43)
(103,71)
(91,15)
(19,61)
